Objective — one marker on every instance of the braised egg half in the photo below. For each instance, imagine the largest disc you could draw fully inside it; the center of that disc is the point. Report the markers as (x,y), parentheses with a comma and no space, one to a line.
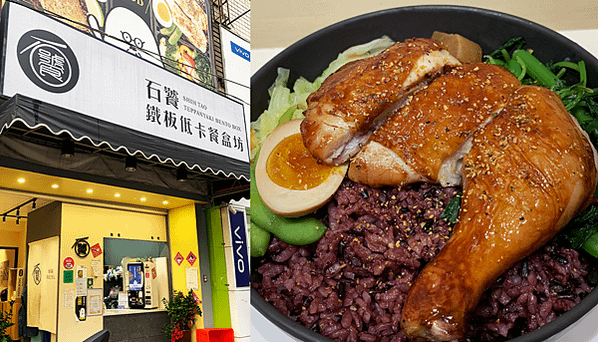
(289,179)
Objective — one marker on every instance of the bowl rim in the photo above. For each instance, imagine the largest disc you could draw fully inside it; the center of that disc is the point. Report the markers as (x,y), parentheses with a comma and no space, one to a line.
(279,58)
(301,332)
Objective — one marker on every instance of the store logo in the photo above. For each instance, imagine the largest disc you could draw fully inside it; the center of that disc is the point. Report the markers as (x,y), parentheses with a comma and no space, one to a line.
(37,274)
(48,61)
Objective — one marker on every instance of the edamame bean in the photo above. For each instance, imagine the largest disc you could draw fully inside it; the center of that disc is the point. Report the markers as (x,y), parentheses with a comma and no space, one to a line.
(298,231)
(259,239)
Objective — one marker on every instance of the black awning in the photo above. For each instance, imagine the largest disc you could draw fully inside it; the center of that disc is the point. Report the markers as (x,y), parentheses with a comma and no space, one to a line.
(34,114)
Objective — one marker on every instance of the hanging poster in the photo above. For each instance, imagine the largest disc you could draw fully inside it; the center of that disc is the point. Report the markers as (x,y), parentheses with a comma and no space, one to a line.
(4,267)
(96,250)
(68,298)
(191,258)
(96,268)
(81,281)
(42,292)
(123,300)
(68,263)
(94,302)
(81,308)
(192,278)
(179,258)
(67,276)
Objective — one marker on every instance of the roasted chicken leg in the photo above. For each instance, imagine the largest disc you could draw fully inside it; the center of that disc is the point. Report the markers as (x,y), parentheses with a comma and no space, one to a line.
(359,97)
(413,143)
(528,172)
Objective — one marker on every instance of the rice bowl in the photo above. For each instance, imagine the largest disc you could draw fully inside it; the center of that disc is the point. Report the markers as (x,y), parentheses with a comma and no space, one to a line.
(489,29)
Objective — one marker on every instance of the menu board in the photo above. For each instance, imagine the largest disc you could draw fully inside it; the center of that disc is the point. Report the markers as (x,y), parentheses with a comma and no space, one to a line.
(172,33)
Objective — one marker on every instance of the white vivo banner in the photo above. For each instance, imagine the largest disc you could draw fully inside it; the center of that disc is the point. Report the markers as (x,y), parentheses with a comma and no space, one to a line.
(55,63)
(236,55)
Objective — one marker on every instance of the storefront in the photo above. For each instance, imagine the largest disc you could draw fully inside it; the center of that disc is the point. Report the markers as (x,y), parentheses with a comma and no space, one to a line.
(115,171)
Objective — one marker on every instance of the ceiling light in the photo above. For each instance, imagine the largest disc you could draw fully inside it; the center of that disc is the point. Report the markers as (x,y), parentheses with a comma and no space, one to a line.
(131,164)
(165,202)
(117,195)
(67,149)
(89,191)
(17,210)
(143,199)
(181,174)
(21,180)
(54,186)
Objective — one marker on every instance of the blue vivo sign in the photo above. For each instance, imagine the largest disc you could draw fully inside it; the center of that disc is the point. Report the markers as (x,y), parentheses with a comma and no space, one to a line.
(239,245)
(237,50)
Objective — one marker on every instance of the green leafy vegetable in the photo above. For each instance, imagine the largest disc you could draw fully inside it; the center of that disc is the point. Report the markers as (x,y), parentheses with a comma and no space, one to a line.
(451,212)
(565,78)
(535,69)
(582,231)
(202,67)
(170,59)
(580,228)
(516,43)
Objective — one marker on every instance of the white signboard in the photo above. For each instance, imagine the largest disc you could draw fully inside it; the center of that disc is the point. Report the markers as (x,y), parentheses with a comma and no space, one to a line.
(236,55)
(52,62)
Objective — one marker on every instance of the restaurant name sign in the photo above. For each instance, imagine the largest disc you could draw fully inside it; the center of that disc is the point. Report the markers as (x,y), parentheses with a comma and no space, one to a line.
(174,34)
(50,61)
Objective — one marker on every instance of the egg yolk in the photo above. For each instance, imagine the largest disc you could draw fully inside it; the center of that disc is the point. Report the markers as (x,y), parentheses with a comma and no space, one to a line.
(291,166)
(163,11)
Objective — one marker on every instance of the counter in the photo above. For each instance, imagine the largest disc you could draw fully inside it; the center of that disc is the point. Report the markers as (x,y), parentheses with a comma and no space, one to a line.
(136,325)
(116,312)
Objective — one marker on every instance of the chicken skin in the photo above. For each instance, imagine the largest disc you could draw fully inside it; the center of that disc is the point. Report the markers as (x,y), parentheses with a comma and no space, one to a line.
(527,173)
(413,143)
(359,97)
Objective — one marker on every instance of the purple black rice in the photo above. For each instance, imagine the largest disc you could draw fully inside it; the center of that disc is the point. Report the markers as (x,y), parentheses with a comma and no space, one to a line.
(352,283)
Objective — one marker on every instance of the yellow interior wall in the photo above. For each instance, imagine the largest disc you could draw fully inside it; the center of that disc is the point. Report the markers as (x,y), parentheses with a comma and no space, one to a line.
(10,238)
(80,221)
(183,238)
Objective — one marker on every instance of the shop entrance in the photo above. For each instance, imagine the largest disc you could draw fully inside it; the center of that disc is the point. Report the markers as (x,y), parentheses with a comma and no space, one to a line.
(98,228)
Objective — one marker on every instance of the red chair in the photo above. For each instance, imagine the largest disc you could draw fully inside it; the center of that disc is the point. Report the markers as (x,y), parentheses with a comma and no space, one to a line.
(215,335)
